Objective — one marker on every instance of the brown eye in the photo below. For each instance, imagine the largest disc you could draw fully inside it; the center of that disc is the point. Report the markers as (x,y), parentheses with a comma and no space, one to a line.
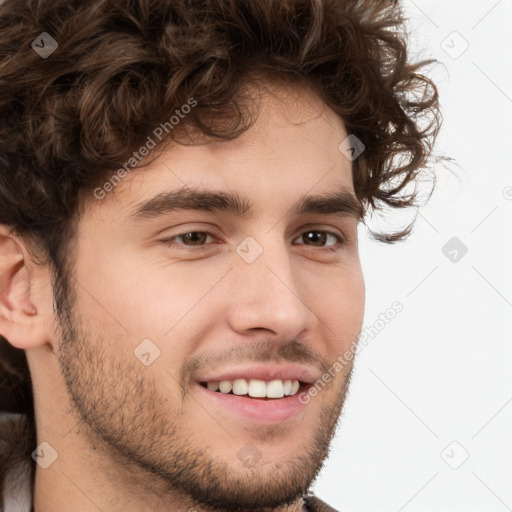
(193,237)
(189,239)
(320,238)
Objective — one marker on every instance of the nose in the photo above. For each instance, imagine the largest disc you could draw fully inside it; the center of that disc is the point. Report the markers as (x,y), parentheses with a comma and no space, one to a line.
(268,294)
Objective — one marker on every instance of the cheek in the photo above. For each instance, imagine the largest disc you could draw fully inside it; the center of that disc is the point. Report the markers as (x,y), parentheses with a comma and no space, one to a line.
(145,298)
(339,304)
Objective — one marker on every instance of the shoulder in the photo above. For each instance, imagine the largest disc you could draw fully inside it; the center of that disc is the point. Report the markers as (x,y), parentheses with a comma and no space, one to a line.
(315,504)
(15,463)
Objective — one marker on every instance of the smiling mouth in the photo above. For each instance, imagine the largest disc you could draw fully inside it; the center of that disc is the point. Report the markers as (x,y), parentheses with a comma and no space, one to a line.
(256,389)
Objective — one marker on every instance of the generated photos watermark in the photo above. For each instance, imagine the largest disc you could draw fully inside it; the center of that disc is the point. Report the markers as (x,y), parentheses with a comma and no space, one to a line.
(158,133)
(367,333)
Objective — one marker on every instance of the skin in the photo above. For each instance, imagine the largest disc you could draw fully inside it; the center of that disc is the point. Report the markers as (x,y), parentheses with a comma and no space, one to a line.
(133,437)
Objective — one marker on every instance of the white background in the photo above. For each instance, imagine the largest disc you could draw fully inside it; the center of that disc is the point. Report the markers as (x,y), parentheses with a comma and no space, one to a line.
(441,370)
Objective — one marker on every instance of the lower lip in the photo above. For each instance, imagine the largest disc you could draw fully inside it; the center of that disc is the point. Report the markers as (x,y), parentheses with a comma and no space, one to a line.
(271,411)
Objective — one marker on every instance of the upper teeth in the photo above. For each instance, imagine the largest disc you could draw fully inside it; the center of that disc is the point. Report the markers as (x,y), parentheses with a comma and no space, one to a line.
(256,388)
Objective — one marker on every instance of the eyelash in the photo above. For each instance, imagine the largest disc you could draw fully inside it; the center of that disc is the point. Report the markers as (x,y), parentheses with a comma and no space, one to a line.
(170,241)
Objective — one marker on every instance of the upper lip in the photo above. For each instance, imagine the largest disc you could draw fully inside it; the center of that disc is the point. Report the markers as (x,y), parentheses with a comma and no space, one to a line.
(263,372)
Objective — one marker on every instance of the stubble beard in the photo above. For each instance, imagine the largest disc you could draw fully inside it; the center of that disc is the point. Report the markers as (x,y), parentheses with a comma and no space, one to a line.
(143,438)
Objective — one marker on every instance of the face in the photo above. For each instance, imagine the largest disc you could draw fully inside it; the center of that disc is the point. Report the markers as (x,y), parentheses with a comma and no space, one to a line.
(170,297)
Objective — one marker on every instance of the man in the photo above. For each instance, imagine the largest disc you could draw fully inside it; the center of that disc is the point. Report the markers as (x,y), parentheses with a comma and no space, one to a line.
(181,184)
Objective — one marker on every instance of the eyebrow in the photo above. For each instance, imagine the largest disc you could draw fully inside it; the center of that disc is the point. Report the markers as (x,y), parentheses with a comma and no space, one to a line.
(341,202)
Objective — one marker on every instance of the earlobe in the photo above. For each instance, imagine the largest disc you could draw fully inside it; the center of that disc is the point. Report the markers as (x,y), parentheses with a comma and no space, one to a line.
(19,319)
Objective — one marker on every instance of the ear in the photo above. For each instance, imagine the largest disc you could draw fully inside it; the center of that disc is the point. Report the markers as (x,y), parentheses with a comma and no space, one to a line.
(22,321)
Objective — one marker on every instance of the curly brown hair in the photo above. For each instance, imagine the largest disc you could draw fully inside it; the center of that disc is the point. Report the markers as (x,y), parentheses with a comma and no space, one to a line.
(122,67)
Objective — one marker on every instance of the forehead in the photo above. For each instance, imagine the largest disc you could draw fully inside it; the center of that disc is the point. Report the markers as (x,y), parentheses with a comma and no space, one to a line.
(290,150)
